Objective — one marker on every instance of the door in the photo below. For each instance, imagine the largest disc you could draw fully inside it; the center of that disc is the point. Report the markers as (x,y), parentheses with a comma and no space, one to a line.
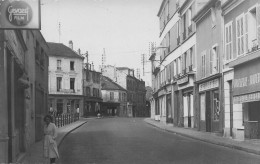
(208,112)
(169,109)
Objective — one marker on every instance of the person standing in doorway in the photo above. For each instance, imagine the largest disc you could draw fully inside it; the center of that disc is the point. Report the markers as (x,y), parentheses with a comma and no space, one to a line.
(50,149)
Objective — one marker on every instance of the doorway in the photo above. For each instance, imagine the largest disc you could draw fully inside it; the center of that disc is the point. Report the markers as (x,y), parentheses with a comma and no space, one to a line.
(208,112)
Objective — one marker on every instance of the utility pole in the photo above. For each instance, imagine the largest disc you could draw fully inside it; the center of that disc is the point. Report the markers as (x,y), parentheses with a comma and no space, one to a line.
(59,31)
(103,59)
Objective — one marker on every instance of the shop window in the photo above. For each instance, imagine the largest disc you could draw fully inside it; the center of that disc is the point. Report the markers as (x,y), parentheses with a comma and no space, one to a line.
(216,106)
(202,106)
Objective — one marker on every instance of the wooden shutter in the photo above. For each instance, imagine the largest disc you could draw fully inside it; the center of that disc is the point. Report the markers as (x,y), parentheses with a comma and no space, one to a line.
(217,59)
(210,61)
(246,33)
(258,24)
(193,52)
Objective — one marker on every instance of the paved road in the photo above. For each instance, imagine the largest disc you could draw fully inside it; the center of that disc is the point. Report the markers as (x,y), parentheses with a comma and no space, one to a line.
(132,141)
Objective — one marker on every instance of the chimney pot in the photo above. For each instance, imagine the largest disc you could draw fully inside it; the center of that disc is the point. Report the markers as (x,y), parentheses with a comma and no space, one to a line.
(71,44)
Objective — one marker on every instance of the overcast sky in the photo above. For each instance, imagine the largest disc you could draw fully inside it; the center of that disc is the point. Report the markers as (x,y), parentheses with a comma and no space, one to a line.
(123,27)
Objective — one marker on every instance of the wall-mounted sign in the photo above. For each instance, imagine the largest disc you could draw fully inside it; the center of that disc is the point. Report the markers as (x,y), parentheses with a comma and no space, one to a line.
(20,14)
(183,80)
(209,85)
(246,98)
(246,78)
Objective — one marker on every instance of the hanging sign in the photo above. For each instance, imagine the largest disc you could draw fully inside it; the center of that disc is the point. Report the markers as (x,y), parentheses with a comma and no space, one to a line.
(20,14)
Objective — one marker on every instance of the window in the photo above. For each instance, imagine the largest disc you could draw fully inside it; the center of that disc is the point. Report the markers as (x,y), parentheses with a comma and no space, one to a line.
(214,68)
(228,41)
(216,104)
(251,31)
(59,80)
(203,64)
(72,65)
(179,65)
(111,95)
(240,35)
(202,107)
(58,64)
(87,75)
(87,91)
(120,96)
(72,84)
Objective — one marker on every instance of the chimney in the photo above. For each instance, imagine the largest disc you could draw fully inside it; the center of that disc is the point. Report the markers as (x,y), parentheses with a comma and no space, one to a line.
(71,44)
(79,52)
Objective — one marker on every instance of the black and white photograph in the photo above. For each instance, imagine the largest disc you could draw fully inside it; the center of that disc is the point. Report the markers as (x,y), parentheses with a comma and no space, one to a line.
(129,81)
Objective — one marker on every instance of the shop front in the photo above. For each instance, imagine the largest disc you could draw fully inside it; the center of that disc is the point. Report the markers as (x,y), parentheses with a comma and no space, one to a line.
(184,101)
(209,105)
(246,91)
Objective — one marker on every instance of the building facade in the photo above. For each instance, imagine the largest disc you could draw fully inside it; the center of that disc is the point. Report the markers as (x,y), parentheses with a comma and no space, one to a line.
(65,79)
(24,89)
(241,68)
(114,98)
(209,96)
(135,88)
(175,75)
(91,91)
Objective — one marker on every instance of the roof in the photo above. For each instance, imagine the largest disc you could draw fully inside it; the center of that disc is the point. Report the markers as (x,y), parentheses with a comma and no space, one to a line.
(59,49)
(123,68)
(109,84)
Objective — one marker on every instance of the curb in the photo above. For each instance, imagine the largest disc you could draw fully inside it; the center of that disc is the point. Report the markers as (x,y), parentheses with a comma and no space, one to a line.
(62,138)
(208,141)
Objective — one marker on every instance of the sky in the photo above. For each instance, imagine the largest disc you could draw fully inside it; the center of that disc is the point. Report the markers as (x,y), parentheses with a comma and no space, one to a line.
(123,28)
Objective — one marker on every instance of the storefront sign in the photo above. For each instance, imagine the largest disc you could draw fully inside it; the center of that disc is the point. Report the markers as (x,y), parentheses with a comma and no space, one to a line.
(67,90)
(247,98)
(209,85)
(183,80)
(246,79)
(20,14)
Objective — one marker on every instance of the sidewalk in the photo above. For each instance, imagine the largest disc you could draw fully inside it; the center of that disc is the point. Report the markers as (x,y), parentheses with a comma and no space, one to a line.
(250,146)
(35,154)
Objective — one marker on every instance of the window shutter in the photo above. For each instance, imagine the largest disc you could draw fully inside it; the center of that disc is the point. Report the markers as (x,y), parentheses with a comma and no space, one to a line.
(193,54)
(258,24)
(246,33)
(188,60)
(217,59)
(210,61)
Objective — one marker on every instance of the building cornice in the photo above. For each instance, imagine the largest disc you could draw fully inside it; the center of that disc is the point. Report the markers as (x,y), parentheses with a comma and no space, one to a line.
(161,7)
(203,11)
(230,5)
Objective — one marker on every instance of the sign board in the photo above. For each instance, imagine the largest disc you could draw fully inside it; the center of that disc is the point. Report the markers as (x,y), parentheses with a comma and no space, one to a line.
(183,80)
(20,14)
(247,98)
(246,78)
(209,85)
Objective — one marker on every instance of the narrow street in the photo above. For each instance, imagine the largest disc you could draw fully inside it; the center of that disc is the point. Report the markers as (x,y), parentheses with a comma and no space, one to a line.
(131,140)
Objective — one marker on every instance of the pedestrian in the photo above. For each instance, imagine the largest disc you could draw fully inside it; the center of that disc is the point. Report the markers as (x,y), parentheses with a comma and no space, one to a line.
(50,149)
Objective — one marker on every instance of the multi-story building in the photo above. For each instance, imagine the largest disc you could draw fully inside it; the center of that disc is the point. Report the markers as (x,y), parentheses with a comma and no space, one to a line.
(91,91)
(135,88)
(24,91)
(65,79)
(241,68)
(114,98)
(175,75)
(208,95)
